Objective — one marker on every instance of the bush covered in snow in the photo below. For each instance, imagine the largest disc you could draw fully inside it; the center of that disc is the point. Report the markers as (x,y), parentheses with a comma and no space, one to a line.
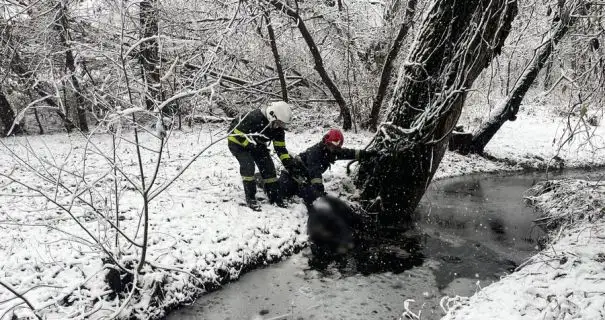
(567,202)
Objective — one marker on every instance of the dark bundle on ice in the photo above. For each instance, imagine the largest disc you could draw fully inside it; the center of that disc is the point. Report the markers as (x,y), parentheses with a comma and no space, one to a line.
(331,226)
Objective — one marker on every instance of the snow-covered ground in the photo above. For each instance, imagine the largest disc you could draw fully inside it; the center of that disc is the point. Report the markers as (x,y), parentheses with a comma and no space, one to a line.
(564,281)
(200,235)
(537,136)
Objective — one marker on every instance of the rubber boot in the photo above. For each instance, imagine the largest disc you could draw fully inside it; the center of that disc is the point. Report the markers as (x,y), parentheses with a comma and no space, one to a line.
(250,192)
(274,195)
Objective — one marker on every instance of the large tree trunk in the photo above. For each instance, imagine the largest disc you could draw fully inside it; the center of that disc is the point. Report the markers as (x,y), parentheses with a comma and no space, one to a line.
(319,65)
(507,110)
(278,66)
(62,28)
(455,42)
(7,116)
(149,56)
(387,68)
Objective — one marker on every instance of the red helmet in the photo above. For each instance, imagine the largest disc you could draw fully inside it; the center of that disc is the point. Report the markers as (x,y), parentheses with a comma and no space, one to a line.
(334,137)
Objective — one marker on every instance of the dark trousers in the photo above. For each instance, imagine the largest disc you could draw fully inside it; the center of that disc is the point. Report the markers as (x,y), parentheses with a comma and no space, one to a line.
(288,188)
(249,156)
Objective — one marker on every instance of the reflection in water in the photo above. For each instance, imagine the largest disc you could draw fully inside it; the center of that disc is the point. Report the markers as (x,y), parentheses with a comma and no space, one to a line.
(373,254)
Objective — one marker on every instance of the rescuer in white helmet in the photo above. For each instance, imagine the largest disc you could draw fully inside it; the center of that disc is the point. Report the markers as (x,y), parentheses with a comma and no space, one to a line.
(249,135)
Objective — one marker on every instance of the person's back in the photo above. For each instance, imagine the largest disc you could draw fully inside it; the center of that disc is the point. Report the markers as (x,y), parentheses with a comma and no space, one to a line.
(256,126)
(247,141)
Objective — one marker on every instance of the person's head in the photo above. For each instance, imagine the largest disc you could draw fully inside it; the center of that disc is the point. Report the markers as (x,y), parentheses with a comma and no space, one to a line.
(334,139)
(279,114)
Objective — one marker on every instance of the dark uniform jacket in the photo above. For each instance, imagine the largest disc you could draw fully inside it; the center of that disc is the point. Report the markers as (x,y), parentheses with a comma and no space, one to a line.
(319,158)
(254,122)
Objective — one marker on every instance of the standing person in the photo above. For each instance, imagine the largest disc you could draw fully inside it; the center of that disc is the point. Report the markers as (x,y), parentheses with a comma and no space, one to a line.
(315,161)
(249,135)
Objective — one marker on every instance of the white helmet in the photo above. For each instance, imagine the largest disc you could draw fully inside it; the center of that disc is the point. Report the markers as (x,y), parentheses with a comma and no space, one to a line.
(279,110)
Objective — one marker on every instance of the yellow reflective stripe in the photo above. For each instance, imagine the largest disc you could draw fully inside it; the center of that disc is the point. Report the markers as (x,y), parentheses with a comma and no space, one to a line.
(279,143)
(316,181)
(247,178)
(357,154)
(235,139)
(284,156)
(271,180)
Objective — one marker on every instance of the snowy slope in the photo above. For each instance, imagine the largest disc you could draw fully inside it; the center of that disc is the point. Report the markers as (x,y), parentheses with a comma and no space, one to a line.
(198,226)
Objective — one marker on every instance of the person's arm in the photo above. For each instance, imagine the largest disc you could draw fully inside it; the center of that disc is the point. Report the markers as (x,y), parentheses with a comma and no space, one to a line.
(312,159)
(348,154)
(316,179)
(279,144)
(353,154)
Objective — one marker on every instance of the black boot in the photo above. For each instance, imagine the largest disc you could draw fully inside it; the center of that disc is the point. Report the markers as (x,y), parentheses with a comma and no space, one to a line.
(274,194)
(250,191)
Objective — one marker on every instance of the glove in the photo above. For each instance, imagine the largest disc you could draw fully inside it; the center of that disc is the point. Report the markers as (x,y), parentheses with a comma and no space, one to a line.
(298,173)
(297,170)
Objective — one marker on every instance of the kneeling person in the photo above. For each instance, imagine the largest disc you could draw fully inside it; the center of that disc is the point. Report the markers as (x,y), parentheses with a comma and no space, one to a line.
(307,182)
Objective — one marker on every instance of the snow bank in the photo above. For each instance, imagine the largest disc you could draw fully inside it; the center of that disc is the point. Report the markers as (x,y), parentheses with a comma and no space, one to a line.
(564,281)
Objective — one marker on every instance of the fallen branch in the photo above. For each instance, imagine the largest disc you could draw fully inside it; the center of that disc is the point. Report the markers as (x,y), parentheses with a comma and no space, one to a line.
(20,296)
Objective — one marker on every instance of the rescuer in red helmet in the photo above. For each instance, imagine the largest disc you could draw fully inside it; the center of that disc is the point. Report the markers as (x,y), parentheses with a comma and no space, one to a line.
(314,162)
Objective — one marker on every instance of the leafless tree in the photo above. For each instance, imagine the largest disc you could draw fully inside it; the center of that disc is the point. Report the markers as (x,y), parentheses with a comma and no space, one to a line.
(456,41)
(507,110)
(317,59)
(7,115)
(149,51)
(278,66)
(387,68)
(61,25)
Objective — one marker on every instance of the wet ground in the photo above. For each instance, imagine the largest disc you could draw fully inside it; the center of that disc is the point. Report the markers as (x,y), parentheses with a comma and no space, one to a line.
(470,231)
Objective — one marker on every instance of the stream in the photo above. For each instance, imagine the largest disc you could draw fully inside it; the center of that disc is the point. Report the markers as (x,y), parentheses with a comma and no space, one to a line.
(469,231)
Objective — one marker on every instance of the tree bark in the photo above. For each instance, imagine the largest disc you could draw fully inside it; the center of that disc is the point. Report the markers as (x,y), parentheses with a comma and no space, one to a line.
(456,41)
(149,55)
(278,66)
(62,27)
(317,59)
(507,110)
(387,68)
(7,116)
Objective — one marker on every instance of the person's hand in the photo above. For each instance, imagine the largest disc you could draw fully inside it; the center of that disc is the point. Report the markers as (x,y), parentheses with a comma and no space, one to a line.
(297,170)
(298,173)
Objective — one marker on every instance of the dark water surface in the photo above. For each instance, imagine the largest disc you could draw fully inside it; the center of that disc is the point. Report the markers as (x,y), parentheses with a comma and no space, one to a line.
(470,231)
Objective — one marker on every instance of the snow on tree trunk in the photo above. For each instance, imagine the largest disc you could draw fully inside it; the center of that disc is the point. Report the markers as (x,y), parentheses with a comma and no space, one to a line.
(278,66)
(455,42)
(507,110)
(149,55)
(62,28)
